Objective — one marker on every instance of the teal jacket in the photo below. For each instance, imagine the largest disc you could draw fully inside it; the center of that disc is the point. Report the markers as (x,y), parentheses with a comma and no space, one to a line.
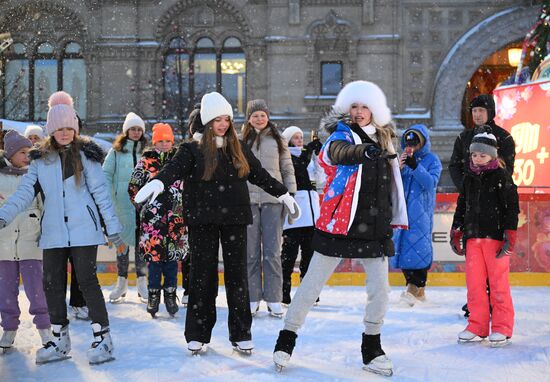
(118,168)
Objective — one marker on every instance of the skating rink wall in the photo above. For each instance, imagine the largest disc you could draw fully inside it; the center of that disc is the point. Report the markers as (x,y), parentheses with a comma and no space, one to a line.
(530,264)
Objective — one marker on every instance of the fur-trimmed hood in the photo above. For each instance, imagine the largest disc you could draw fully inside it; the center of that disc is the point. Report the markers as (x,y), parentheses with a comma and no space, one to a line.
(331,120)
(91,150)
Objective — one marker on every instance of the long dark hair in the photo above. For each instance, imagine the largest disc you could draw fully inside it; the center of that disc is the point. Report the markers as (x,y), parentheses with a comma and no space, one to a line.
(49,145)
(250,136)
(233,148)
(121,139)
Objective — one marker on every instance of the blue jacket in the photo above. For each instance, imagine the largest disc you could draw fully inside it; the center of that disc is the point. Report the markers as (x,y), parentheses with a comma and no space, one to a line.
(413,247)
(70,216)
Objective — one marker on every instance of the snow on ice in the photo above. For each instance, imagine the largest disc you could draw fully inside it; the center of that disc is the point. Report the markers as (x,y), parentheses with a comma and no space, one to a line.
(421,342)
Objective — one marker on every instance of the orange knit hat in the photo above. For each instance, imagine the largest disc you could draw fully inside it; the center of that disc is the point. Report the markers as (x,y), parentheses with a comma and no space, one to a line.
(162,132)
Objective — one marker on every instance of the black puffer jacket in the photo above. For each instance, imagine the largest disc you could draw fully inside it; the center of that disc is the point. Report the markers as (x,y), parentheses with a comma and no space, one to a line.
(460,158)
(487,206)
(370,234)
(223,200)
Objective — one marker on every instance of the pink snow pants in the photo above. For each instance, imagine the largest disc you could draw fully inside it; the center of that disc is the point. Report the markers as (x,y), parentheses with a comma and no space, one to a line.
(482,264)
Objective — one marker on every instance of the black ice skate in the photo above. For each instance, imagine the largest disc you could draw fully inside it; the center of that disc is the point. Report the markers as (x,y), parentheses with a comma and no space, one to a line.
(196,347)
(170,301)
(374,358)
(243,347)
(153,302)
(283,349)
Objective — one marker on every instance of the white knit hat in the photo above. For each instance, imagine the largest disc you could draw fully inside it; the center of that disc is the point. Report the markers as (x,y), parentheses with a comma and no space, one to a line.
(34,130)
(290,131)
(368,94)
(132,119)
(213,105)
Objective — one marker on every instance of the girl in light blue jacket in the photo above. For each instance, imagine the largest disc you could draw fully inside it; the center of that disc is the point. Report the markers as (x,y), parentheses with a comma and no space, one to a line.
(65,170)
(118,167)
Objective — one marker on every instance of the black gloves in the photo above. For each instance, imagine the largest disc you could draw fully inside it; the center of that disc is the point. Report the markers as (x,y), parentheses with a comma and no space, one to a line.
(411,162)
(315,146)
(373,152)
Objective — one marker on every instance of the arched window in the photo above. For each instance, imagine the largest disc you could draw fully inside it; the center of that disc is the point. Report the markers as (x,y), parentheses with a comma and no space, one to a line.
(29,80)
(45,79)
(74,76)
(233,71)
(15,86)
(189,73)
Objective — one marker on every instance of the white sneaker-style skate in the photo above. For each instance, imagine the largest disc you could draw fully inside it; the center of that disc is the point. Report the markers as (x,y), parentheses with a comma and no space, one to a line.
(119,291)
(254,307)
(45,335)
(381,365)
(80,313)
(407,299)
(7,340)
(498,340)
(275,309)
(244,347)
(281,360)
(58,348)
(465,337)
(102,348)
(143,292)
(196,347)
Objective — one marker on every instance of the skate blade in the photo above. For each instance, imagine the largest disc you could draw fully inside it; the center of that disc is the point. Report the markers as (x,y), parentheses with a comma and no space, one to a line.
(196,353)
(82,318)
(95,363)
(6,351)
(117,300)
(475,340)
(500,344)
(383,372)
(279,368)
(246,352)
(54,360)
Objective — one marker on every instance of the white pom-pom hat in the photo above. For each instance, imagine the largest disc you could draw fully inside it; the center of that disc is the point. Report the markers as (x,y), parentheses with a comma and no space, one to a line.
(213,105)
(366,93)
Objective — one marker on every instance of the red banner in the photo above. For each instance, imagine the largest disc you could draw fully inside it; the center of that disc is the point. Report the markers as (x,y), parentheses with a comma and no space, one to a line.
(524,110)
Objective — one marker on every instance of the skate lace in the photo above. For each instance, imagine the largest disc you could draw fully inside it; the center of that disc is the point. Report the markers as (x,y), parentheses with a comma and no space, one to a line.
(49,344)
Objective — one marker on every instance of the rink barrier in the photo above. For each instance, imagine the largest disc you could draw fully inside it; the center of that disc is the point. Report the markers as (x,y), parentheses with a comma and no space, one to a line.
(395,278)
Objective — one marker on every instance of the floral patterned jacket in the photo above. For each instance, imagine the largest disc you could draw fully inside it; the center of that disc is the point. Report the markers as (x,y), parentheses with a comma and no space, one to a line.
(163,235)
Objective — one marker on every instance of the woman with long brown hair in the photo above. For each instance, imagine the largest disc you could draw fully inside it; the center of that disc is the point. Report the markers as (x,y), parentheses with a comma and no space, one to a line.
(215,167)
(265,273)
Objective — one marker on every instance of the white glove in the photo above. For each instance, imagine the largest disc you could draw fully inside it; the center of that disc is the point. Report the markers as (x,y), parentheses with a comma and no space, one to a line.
(291,206)
(151,189)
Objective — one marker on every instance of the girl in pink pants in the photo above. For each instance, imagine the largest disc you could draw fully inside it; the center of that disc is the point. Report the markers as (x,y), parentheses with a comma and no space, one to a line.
(486,219)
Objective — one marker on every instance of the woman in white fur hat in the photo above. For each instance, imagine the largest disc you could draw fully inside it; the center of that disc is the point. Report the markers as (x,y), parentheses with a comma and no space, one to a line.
(118,167)
(363,200)
(215,168)
(34,133)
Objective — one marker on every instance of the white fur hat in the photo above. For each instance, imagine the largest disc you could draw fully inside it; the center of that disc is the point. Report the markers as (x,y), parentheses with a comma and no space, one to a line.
(34,130)
(213,105)
(132,119)
(290,131)
(368,94)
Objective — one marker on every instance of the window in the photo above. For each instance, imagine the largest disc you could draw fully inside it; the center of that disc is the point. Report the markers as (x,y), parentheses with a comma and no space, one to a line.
(331,78)
(190,72)
(29,81)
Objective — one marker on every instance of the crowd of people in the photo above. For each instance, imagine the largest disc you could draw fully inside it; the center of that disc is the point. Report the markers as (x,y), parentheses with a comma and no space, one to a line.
(265,196)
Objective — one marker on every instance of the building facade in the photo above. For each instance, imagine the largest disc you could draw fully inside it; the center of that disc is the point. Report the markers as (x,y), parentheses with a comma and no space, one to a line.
(157,58)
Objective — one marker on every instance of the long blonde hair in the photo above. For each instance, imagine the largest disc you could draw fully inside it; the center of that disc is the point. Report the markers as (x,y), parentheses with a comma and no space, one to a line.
(385,135)
(232,147)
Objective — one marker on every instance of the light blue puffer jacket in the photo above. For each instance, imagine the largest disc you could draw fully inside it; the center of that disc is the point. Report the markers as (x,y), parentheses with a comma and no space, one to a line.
(70,217)
(413,247)
(118,168)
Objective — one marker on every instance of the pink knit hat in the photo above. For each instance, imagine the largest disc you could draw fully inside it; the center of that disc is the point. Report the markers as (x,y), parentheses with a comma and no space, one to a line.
(61,113)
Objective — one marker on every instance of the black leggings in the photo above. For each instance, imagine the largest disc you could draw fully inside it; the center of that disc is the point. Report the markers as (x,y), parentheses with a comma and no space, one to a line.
(55,283)
(416,277)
